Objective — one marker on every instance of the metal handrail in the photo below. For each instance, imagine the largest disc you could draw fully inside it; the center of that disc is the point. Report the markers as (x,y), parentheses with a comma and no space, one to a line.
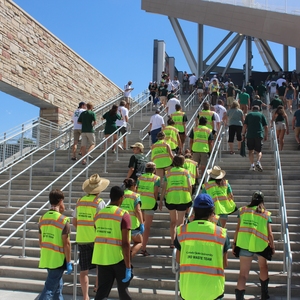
(49,186)
(287,254)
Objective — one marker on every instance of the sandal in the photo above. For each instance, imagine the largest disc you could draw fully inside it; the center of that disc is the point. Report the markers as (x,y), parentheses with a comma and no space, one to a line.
(84,162)
(232,152)
(145,253)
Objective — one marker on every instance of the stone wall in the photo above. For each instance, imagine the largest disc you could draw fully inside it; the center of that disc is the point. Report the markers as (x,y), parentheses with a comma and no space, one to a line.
(38,68)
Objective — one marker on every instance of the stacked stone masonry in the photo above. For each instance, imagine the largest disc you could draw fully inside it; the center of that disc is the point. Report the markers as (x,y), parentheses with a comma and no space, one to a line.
(38,68)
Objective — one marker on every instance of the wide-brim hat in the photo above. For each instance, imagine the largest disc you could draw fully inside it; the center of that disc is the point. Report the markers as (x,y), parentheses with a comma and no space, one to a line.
(138,145)
(95,184)
(216,172)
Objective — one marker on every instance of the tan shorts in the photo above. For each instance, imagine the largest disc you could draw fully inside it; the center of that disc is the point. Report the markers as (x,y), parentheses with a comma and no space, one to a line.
(76,135)
(88,138)
(297,131)
(280,126)
(163,99)
(230,101)
(200,158)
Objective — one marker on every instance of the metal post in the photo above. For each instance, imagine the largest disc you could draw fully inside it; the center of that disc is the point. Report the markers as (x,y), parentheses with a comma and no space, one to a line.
(30,173)
(54,160)
(4,151)
(9,188)
(176,283)
(70,189)
(75,272)
(22,141)
(24,233)
(200,50)
(105,158)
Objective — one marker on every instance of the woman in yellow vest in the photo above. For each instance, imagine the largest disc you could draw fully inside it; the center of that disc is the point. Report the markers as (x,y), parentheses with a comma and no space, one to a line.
(202,254)
(177,190)
(192,167)
(253,235)
(161,155)
(132,204)
(148,186)
(172,137)
(220,191)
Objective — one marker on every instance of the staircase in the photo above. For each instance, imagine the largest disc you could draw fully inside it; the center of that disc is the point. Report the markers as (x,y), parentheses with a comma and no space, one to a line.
(153,275)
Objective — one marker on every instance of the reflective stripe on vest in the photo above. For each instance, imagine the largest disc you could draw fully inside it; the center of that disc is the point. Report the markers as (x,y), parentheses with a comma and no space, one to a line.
(51,226)
(108,241)
(201,260)
(171,136)
(253,231)
(223,204)
(86,209)
(200,141)
(208,115)
(177,117)
(177,190)
(128,205)
(160,155)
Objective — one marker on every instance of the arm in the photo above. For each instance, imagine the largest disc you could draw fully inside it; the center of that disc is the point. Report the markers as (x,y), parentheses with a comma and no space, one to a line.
(170,151)
(235,236)
(287,124)
(266,132)
(126,247)
(138,213)
(67,247)
(130,172)
(248,102)
(178,256)
(244,130)
(162,195)
(179,143)
(225,261)
(156,188)
(40,240)
(293,122)
(74,222)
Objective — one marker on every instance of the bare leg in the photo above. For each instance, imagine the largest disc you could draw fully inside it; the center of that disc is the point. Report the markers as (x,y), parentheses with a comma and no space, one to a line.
(263,268)
(137,244)
(251,156)
(173,217)
(245,264)
(84,282)
(180,217)
(258,155)
(74,149)
(223,222)
(230,147)
(148,222)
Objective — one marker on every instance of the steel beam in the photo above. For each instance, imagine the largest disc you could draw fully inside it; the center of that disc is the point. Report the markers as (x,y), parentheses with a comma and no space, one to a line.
(285,58)
(200,50)
(248,58)
(273,62)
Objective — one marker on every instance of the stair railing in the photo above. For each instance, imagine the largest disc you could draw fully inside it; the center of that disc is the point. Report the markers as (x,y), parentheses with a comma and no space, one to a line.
(72,178)
(215,154)
(285,236)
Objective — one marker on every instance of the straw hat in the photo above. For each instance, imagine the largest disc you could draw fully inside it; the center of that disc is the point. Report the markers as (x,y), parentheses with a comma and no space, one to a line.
(216,172)
(95,184)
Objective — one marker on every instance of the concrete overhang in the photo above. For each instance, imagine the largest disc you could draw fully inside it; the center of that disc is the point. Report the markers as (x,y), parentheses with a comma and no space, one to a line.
(272,26)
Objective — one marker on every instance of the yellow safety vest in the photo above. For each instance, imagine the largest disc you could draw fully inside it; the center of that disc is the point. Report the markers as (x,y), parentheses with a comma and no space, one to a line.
(201,260)
(191,166)
(208,115)
(253,231)
(171,136)
(177,190)
(86,209)
(160,155)
(146,190)
(223,205)
(177,117)
(128,205)
(200,141)
(51,225)
(108,241)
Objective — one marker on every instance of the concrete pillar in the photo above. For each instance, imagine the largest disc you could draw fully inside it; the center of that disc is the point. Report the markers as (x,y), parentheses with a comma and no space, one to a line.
(285,58)
(200,50)
(297,60)
(248,69)
(171,67)
(161,59)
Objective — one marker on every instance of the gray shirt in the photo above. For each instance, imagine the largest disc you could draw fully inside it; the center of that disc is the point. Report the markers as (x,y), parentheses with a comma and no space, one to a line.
(235,117)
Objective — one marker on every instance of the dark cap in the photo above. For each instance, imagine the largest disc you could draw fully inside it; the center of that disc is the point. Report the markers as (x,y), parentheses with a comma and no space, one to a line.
(258,196)
(203,201)
(81,104)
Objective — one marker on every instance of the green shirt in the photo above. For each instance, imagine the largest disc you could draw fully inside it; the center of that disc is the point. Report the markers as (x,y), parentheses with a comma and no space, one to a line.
(244,98)
(275,103)
(86,118)
(255,122)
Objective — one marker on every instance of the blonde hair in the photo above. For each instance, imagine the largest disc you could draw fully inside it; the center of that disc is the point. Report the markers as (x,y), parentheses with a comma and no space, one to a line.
(235,104)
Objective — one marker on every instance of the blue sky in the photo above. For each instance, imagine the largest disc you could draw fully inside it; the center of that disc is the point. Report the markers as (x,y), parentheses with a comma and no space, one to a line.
(116,37)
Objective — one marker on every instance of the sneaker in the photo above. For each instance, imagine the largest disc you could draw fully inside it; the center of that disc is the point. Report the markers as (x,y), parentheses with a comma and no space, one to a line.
(252,168)
(73,158)
(258,167)
(91,157)
(113,151)
(120,146)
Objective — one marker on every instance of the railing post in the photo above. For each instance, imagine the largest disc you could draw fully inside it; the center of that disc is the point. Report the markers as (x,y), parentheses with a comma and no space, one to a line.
(30,173)
(22,141)
(4,151)
(105,158)
(24,233)
(70,189)
(75,272)
(54,160)
(38,137)
(9,188)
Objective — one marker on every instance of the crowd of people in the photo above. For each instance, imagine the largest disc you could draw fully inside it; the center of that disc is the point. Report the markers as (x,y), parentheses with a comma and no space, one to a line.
(109,236)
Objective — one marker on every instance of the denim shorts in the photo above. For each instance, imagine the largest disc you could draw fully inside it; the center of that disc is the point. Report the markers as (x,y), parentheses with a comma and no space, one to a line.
(247,253)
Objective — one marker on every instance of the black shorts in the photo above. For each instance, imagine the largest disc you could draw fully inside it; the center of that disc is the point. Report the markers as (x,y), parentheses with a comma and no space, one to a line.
(254,144)
(179,207)
(85,256)
(235,129)
(122,130)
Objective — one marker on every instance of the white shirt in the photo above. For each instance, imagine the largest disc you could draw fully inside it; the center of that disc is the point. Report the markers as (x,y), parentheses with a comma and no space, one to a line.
(220,110)
(280,81)
(273,87)
(128,93)
(75,118)
(123,112)
(176,84)
(171,105)
(170,86)
(192,80)
(216,121)
(206,83)
(156,121)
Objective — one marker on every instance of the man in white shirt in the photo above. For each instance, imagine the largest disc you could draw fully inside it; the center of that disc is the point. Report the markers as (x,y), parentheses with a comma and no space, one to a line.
(220,110)
(280,81)
(123,112)
(176,83)
(77,127)
(272,88)
(170,107)
(156,125)
(127,93)
(192,82)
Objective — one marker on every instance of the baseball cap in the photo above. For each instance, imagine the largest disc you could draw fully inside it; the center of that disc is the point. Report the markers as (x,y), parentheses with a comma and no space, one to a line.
(203,201)
(138,145)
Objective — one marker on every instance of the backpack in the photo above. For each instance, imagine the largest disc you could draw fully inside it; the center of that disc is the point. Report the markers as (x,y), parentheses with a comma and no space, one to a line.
(140,165)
